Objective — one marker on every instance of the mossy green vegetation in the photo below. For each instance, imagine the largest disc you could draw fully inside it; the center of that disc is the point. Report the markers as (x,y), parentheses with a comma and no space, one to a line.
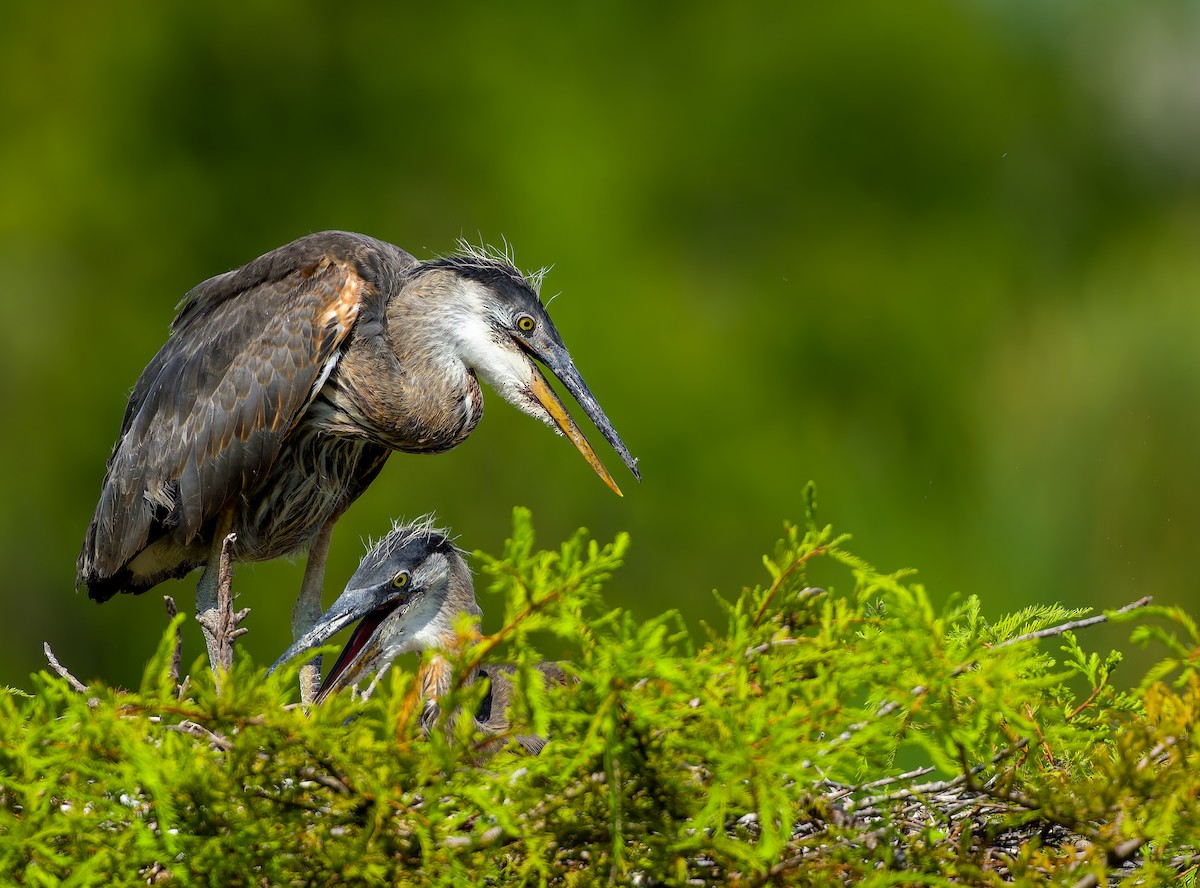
(855,734)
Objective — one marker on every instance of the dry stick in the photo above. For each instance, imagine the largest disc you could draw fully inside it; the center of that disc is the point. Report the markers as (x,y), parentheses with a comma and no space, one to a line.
(787,641)
(58,667)
(907,775)
(341,783)
(1155,753)
(364,696)
(485,839)
(858,805)
(325,780)
(198,730)
(1115,857)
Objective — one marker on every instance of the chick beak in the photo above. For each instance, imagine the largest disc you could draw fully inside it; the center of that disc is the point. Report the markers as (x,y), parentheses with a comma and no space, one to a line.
(352,606)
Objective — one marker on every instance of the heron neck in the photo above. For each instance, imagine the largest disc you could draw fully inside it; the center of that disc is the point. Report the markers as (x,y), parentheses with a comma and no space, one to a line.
(407,389)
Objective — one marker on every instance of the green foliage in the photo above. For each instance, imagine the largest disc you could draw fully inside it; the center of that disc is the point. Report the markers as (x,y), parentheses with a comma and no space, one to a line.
(940,256)
(855,734)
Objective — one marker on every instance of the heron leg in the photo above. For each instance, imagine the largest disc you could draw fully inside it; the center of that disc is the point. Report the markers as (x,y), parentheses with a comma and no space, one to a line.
(308,609)
(207,609)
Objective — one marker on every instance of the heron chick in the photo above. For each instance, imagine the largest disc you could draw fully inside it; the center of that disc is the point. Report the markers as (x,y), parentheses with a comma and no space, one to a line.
(405,596)
(285,385)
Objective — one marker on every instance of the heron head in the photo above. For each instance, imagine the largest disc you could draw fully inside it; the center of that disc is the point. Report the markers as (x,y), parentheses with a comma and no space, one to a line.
(405,595)
(502,332)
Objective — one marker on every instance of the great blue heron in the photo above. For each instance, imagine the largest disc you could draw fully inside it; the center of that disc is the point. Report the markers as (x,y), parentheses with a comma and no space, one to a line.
(285,385)
(405,596)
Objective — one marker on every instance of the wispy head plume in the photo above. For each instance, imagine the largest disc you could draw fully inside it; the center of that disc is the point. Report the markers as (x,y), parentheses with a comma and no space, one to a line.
(405,533)
(489,254)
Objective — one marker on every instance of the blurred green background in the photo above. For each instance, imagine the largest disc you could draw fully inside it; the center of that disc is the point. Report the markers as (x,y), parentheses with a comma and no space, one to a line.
(941,258)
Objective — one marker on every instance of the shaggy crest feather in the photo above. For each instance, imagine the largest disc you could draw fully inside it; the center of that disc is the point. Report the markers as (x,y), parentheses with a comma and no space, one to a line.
(485,253)
(402,534)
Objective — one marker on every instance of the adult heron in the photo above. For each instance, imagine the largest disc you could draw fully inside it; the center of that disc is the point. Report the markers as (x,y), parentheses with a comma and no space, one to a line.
(282,389)
(405,596)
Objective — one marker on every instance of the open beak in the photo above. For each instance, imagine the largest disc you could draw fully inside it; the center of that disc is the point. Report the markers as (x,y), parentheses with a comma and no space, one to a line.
(558,361)
(354,605)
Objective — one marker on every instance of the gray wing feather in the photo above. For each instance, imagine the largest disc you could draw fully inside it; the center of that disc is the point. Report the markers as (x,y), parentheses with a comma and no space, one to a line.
(208,415)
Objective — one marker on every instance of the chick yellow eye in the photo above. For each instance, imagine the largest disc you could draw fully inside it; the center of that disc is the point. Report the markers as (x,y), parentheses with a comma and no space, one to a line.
(400,580)
(526,324)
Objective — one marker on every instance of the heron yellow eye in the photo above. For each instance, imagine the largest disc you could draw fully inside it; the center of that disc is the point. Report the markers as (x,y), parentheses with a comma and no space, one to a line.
(400,580)
(526,324)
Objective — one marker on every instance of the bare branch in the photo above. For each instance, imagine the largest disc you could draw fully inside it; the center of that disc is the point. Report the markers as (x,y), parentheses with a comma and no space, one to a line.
(767,645)
(1050,631)
(364,696)
(217,741)
(325,780)
(1116,856)
(1073,624)
(935,787)
(58,667)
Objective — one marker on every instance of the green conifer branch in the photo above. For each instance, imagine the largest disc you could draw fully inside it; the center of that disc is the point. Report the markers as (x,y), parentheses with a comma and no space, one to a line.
(857,734)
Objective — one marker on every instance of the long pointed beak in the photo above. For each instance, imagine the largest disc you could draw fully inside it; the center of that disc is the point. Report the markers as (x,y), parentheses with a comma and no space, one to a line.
(351,606)
(558,361)
(358,656)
